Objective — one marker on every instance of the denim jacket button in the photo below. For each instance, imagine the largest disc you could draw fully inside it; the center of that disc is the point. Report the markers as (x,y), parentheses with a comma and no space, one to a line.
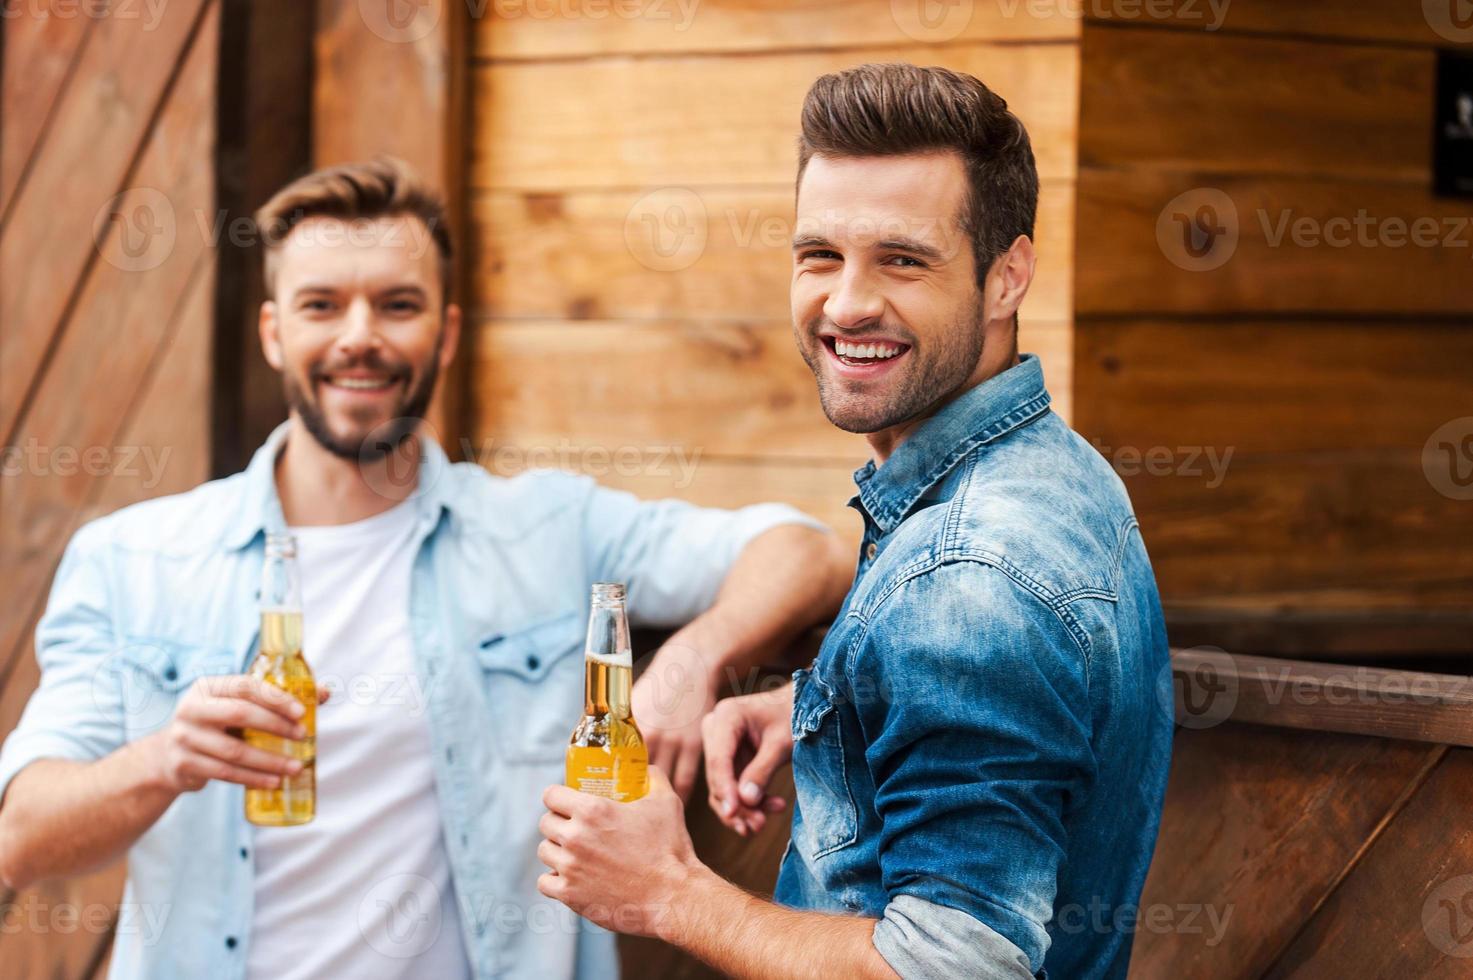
(870,550)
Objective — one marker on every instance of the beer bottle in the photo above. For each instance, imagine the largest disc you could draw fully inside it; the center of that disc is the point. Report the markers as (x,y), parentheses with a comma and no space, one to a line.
(280,664)
(606,755)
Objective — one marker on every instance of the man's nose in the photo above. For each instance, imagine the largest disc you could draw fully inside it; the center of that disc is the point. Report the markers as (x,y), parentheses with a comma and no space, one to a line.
(854,302)
(360,328)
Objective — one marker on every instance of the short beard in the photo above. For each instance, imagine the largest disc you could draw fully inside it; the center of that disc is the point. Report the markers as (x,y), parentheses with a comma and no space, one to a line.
(955,356)
(384,438)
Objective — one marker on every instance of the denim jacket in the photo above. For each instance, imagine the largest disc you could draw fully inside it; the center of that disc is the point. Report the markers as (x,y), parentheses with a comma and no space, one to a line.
(980,753)
(151,598)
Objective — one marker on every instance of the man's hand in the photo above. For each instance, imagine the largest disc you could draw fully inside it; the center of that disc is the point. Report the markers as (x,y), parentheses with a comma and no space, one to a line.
(674,693)
(198,744)
(620,865)
(753,734)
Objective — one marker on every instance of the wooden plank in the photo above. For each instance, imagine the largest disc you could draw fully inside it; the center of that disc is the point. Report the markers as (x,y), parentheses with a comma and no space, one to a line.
(1433,627)
(727,388)
(513,29)
(1267,385)
(1403,910)
(1212,686)
(1257,825)
(1330,247)
(40,49)
(1375,23)
(820,489)
(1301,523)
(121,315)
(682,253)
(95,134)
(372,65)
(686,121)
(1222,104)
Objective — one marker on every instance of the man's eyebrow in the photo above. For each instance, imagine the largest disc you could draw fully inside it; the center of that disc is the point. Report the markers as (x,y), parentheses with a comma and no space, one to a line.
(811,241)
(911,245)
(406,288)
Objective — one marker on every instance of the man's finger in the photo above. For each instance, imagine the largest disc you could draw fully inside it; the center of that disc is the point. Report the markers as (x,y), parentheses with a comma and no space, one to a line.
(217,745)
(553,886)
(553,856)
(754,778)
(687,764)
(566,801)
(553,827)
(720,735)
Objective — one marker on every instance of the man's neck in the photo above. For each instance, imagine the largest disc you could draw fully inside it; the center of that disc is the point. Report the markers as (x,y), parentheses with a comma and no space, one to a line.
(885,442)
(316,487)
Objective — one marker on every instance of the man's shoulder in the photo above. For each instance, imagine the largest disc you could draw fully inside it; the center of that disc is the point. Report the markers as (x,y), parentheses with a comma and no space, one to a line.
(510,506)
(1043,507)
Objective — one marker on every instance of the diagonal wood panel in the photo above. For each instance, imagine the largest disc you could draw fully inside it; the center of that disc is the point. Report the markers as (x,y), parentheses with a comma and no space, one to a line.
(97,130)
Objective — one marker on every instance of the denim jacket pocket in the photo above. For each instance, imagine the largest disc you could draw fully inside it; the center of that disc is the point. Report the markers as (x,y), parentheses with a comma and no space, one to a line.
(534,688)
(828,819)
(152,675)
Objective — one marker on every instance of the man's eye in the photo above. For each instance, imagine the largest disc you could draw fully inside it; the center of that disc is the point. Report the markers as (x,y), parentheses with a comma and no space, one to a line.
(403,307)
(905,261)
(820,254)
(317,305)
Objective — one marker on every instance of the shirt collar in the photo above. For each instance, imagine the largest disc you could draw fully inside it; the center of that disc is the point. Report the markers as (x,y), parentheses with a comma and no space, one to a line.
(260,510)
(986,412)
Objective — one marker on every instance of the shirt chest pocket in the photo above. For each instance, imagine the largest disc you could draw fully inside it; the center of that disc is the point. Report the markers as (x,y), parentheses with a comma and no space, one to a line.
(151,676)
(534,688)
(829,819)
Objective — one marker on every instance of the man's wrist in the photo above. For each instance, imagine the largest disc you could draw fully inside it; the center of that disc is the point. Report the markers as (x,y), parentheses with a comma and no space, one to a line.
(692,906)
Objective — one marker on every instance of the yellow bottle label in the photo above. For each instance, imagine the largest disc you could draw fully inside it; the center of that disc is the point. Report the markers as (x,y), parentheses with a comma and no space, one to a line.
(619,773)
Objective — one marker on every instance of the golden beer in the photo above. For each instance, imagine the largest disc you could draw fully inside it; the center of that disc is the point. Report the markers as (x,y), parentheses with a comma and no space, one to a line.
(280,663)
(606,755)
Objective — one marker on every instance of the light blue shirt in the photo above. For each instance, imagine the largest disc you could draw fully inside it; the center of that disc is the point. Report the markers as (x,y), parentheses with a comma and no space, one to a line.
(149,599)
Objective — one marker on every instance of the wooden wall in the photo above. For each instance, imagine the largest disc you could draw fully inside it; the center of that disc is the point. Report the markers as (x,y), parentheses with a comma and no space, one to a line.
(630,194)
(1323,367)
(105,337)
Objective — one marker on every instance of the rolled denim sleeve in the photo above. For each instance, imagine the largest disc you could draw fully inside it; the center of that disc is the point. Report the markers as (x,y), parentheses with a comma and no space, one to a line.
(978,739)
(672,555)
(76,711)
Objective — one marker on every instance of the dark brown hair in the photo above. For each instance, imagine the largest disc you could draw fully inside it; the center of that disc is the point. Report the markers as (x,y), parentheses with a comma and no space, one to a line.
(383,187)
(894,109)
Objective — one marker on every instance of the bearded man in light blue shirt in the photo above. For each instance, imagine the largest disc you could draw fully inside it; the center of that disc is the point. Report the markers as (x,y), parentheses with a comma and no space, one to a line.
(444,609)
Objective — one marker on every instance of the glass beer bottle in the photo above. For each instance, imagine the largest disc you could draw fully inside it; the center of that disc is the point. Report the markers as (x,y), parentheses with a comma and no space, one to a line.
(280,664)
(607,755)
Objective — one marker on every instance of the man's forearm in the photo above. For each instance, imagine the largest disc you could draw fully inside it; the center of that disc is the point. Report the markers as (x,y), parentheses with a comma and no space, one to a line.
(785,580)
(746,937)
(63,817)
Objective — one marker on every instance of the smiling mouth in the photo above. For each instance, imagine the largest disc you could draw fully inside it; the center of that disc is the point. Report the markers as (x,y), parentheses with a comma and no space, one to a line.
(857,354)
(364,383)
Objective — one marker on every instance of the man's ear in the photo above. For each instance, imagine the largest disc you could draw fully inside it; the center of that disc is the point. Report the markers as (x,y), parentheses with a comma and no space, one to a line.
(269,328)
(451,340)
(1009,278)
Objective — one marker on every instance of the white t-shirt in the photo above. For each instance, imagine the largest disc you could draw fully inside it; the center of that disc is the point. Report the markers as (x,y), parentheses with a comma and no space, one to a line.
(364,890)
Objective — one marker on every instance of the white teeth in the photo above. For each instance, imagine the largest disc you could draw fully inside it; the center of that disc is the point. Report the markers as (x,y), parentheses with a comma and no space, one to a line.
(361,384)
(879,351)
